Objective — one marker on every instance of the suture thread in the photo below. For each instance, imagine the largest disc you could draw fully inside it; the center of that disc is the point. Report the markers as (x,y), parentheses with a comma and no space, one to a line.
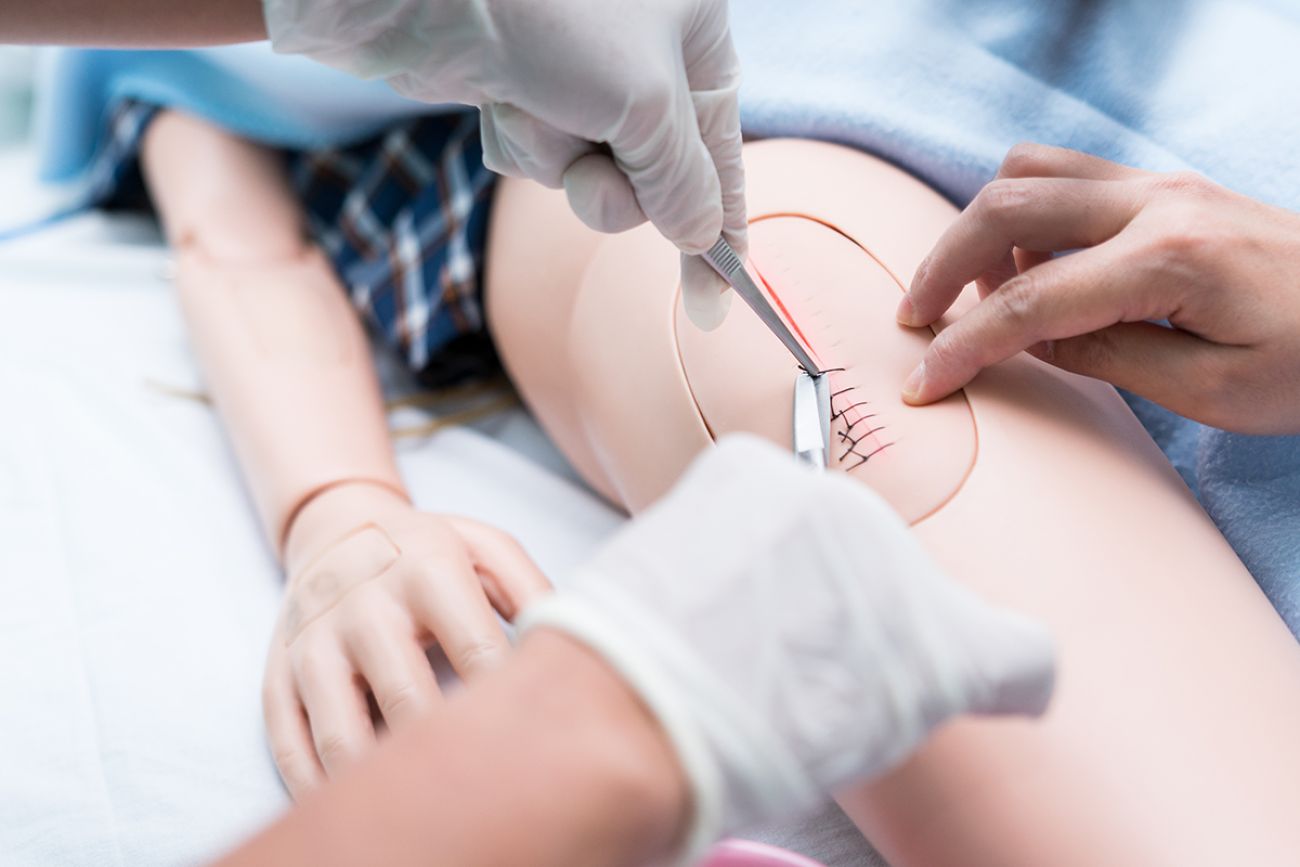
(846,435)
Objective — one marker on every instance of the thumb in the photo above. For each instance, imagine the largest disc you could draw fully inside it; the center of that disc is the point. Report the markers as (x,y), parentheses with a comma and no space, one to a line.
(1011,662)
(706,297)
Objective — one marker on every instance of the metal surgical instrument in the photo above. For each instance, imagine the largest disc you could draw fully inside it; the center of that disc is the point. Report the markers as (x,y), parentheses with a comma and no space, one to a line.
(724,260)
(812,419)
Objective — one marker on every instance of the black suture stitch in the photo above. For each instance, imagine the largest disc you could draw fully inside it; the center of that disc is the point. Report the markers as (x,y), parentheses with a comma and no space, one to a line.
(864,459)
(835,415)
(859,419)
(845,435)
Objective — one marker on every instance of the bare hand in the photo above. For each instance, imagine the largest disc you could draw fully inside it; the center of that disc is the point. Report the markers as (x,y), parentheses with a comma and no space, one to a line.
(1222,269)
(372,584)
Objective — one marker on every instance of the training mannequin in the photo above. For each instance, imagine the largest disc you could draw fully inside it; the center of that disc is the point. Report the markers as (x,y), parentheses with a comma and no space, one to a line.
(1180,686)
(587,326)
(373,582)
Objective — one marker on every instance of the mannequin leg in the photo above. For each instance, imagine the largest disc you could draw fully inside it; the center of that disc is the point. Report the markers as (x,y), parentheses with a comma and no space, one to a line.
(1179,688)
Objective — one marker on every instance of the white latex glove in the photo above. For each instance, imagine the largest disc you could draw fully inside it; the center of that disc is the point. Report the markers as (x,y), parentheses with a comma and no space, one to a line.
(790,634)
(629,105)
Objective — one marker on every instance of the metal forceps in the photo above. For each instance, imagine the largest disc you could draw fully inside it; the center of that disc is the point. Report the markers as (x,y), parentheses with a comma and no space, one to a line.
(812,397)
(725,261)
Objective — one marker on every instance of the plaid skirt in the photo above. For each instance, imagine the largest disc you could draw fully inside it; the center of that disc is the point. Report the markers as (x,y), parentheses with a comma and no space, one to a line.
(402,217)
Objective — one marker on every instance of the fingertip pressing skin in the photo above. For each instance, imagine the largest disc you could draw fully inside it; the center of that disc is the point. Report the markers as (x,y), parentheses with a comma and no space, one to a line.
(1029,207)
(905,311)
(914,385)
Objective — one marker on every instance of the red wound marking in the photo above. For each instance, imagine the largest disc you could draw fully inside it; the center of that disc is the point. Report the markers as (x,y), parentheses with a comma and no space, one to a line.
(786,313)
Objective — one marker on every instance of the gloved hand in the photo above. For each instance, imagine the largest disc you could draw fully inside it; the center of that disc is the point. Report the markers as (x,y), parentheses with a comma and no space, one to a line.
(372,582)
(631,107)
(790,634)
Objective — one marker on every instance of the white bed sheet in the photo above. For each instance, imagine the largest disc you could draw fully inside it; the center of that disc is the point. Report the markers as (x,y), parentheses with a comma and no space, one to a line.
(136,595)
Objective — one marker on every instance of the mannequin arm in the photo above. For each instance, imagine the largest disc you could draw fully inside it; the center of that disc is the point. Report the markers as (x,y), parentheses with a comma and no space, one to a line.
(372,581)
(585,778)
(131,23)
(284,356)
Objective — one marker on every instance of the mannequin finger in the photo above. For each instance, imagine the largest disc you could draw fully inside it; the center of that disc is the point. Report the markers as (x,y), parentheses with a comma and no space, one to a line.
(518,145)
(454,608)
(1031,160)
(289,734)
(1066,297)
(336,707)
(1035,214)
(511,578)
(395,667)
(601,195)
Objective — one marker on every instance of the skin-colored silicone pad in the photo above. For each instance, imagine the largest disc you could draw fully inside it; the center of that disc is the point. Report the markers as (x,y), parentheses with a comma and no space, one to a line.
(743,379)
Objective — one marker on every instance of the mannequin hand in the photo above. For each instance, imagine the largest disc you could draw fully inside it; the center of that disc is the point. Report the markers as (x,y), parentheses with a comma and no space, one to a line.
(790,634)
(631,107)
(1223,269)
(372,583)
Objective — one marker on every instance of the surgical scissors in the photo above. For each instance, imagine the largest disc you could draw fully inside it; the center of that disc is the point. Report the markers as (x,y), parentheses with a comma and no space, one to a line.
(812,419)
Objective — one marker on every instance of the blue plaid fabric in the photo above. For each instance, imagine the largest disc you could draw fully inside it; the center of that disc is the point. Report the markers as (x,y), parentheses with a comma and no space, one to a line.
(403,217)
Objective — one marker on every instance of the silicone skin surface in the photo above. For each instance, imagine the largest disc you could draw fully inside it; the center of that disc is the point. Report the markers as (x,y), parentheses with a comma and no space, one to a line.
(742,379)
(1171,740)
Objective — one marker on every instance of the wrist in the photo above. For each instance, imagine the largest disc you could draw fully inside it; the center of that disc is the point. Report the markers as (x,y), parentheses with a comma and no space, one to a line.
(332,511)
(636,783)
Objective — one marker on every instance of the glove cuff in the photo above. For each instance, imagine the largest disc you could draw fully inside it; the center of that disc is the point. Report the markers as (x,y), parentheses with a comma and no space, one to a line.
(585,624)
(739,771)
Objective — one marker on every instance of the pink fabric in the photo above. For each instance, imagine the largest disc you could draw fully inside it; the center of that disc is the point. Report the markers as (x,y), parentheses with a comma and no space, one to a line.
(744,853)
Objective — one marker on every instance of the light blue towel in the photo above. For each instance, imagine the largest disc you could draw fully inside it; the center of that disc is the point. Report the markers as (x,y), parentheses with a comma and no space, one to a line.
(283,101)
(945,87)
(941,87)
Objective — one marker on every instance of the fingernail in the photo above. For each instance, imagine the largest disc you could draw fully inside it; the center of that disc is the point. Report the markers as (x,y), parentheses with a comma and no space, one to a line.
(905,311)
(912,385)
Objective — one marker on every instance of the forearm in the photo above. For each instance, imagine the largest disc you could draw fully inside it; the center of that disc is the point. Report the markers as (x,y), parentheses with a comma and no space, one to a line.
(131,23)
(283,354)
(551,760)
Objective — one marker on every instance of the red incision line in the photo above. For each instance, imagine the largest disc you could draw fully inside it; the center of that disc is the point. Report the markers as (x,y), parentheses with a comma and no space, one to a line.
(786,313)
(846,435)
